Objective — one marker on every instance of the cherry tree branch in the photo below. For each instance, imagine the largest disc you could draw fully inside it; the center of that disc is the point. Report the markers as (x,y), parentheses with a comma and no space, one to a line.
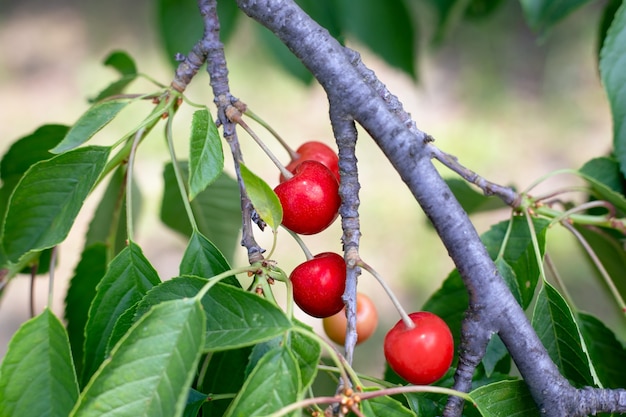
(346,80)
(506,194)
(346,135)
(211,50)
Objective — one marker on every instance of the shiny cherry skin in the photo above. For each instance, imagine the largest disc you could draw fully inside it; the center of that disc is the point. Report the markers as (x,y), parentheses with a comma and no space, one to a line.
(310,199)
(366,321)
(423,354)
(319,283)
(315,151)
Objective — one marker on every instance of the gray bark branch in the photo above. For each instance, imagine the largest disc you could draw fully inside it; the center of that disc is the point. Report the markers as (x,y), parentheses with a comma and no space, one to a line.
(364,98)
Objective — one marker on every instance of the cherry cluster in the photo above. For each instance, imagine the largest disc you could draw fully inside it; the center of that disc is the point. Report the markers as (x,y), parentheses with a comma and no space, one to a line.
(420,347)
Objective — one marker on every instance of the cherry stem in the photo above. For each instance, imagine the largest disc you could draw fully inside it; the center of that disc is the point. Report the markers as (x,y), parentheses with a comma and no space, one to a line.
(274,242)
(396,303)
(553,194)
(263,283)
(217,278)
(416,388)
(301,243)
(584,207)
(51,268)
(178,174)
(235,115)
(129,186)
(551,267)
(305,403)
(33,276)
(292,154)
(289,302)
(549,175)
(596,261)
(535,243)
(215,397)
(346,372)
(372,394)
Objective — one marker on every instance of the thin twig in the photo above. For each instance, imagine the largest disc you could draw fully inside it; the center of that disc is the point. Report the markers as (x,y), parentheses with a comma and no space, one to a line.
(218,72)
(596,261)
(506,194)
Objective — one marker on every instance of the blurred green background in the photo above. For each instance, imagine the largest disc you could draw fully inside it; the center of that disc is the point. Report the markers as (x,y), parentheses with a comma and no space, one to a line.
(512,106)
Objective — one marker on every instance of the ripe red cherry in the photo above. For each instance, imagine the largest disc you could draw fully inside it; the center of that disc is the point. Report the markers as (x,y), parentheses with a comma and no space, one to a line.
(366,321)
(315,151)
(318,284)
(423,354)
(310,199)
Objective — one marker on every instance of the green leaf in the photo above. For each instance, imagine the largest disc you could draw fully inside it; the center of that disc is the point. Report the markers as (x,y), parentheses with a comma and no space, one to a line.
(180,26)
(151,369)
(385,406)
(604,174)
(217,211)
(541,15)
(386,28)
(263,198)
(519,253)
(448,13)
(326,13)
(273,384)
(471,200)
(307,352)
(123,323)
(606,181)
(30,149)
(91,122)
(505,398)
(37,377)
(556,327)
(606,352)
(612,62)
(481,9)
(228,13)
(224,374)
(283,56)
(204,260)
(115,88)
(518,267)
(206,157)
(609,249)
(127,280)
(450,302)
(508,274)
(80,294)
(22,154)
(108,224)
(47,199)
(422,404)
(608,14)
(195,400)
(496,357)
(235,318)
(122,62)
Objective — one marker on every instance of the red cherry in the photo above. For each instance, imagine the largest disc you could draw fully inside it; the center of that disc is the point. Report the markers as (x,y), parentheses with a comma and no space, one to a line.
(423,354)
(315,151)
(366,321)
(310,199)
(319,283)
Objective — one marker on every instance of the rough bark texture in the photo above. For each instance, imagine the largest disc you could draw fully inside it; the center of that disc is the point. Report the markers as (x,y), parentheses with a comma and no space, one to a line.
(358,95)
